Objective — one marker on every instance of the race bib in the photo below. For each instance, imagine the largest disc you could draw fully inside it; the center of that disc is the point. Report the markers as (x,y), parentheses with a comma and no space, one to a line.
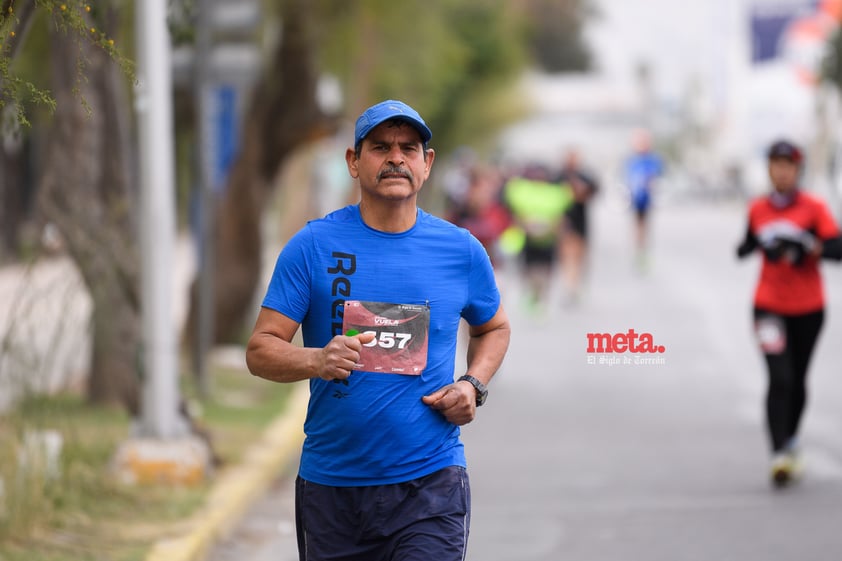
(771,334)
(401,333)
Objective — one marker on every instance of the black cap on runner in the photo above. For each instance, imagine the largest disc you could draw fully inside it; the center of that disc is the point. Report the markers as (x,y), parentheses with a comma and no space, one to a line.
(785,149)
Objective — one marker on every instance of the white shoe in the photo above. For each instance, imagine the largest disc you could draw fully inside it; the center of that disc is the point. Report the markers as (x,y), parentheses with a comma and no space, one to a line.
(793,450)
(782,470)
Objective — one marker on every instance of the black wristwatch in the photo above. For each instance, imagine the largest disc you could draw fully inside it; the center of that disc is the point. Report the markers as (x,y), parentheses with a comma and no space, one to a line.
(482,391)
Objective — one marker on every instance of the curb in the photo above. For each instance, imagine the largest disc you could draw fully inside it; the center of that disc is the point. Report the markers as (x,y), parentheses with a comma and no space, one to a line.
(236,489)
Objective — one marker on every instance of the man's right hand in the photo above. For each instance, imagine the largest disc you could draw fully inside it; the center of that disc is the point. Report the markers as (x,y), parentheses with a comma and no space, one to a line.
(341,355)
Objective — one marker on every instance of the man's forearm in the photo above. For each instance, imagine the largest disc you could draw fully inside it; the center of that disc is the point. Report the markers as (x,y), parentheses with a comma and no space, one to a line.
(486,352)
(279,361)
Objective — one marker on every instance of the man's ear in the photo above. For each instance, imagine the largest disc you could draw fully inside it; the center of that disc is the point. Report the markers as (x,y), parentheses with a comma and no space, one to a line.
(351,161)
(431,155)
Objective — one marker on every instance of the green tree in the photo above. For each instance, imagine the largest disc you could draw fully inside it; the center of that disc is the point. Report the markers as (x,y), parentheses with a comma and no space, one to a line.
(453,60)
(82,20)
(85,178)
(554,34)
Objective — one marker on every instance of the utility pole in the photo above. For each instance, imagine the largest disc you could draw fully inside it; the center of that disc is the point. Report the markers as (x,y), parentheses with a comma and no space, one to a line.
(162,450)
(153,103)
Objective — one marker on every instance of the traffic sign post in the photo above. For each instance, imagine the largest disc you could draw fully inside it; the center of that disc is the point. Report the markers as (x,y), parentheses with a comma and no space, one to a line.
(225,63)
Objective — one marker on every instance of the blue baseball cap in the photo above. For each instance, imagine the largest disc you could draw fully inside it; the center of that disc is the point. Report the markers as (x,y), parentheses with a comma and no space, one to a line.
(390,109)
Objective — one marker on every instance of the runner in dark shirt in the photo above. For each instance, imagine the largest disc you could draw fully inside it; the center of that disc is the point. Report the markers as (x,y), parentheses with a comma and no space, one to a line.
(574,235)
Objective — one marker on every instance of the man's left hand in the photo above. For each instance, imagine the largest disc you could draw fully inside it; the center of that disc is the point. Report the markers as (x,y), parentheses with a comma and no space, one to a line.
(457,402)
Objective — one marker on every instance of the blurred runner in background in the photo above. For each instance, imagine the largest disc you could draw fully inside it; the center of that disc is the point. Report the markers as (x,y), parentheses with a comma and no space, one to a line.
(793,230)
(641,171)
(482,212)
(537,206)
(574,235)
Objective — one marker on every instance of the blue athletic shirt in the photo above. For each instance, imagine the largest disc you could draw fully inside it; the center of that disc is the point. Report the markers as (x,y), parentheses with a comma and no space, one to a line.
(641,171)
(375,430)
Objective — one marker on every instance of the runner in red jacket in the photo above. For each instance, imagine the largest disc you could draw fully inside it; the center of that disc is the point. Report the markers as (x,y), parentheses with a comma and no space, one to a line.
(793,230)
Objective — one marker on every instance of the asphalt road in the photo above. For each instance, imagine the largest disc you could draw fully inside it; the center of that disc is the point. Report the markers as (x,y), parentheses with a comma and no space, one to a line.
(636,462)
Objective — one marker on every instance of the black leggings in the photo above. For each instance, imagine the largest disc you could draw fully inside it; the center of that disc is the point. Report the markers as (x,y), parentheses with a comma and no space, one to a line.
(787,343)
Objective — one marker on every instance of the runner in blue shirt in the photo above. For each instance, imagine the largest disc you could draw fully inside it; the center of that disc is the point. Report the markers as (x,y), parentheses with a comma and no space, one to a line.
(378,290)
(642,169)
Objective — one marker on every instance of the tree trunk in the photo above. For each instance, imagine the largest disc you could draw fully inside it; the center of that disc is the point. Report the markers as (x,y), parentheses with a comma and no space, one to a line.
(87,193)
(283,115)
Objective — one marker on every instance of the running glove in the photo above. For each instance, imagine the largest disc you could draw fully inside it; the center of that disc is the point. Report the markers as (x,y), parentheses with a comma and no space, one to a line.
(792,248)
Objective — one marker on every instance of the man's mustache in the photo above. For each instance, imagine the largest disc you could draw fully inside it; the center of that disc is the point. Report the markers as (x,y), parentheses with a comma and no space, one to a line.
(395,170)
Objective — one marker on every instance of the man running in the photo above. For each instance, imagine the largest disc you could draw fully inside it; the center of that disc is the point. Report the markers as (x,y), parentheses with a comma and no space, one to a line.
(379,289)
